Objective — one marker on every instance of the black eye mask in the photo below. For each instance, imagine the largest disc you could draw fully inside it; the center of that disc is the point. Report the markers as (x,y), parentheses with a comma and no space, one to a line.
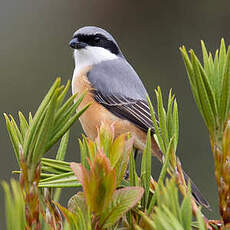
(99,40)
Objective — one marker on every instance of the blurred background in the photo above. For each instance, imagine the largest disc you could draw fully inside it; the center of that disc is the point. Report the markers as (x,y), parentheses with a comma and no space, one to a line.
(34,50)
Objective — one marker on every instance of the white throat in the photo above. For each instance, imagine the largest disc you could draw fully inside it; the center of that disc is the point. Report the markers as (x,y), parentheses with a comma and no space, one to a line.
(91,55)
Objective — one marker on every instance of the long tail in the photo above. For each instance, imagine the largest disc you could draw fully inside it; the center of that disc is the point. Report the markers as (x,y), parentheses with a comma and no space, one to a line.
(199,198)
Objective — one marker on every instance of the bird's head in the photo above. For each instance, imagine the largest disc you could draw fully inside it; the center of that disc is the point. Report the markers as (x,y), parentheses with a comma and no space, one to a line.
(93,45)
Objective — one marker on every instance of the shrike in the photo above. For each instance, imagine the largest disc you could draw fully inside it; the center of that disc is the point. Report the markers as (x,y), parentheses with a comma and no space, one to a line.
(117,94)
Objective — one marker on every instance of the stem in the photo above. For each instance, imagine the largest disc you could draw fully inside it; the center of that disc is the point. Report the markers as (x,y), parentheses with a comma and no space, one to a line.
(30,191)
(221,152)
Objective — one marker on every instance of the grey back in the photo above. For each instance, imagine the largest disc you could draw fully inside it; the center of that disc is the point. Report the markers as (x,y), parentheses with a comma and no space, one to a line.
(117,77)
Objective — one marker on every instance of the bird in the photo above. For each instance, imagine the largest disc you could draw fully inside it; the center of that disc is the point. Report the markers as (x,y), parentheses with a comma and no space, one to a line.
(115,90)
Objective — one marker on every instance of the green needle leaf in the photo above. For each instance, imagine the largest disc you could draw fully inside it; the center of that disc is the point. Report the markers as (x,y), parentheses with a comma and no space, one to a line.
(132,170)
(162,117)
(146,168)
(225,92)
(206,107)
(44,131)
(63,146)
(64,180)
(23,124)
(63,94)
(63,129)
(155,124)
(13,137)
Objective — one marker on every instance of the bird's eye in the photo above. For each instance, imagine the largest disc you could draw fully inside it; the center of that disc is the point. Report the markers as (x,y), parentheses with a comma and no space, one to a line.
(97,39)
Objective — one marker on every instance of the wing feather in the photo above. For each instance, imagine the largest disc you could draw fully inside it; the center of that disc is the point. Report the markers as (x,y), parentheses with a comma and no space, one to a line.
(136,111)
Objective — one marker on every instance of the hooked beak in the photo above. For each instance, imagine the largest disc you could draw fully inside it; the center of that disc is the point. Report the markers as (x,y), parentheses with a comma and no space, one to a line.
(75,44)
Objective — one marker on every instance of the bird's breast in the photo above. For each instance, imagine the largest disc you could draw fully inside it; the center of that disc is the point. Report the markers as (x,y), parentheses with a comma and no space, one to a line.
(93,117)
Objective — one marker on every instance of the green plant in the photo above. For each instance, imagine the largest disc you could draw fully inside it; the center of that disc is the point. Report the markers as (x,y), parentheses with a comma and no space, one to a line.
(14,201)
(169,214)
(109,199)
(210,85)
(32,139)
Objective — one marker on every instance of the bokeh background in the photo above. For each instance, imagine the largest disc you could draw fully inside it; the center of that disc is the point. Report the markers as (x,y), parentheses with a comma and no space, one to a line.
(34,50)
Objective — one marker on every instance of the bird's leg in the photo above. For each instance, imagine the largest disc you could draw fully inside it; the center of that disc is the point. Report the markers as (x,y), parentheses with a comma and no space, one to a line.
(135,154)
(126,173)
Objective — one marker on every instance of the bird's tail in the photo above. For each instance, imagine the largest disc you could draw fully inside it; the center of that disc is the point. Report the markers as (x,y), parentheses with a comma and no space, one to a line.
(199,198)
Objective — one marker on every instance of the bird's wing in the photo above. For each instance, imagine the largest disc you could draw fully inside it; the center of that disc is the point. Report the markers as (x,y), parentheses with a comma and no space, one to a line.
(118,88)
(135,111)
